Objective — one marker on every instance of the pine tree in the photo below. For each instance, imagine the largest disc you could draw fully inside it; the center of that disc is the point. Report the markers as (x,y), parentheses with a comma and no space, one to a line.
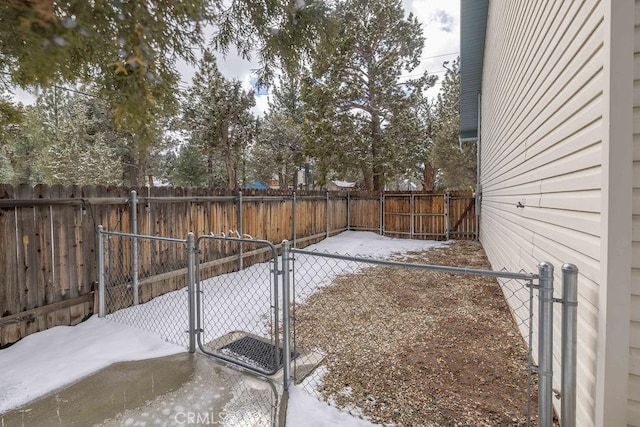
(11,115)
(66,138)
(278,149)
(455,162)
(360,112)
(216,113)
(128,50)
(190,170)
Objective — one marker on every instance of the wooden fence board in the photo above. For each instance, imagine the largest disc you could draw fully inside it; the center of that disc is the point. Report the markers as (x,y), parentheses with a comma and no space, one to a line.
(9,262)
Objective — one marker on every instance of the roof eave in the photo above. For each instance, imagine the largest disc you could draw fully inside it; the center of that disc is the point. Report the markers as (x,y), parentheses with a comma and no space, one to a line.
(473,25)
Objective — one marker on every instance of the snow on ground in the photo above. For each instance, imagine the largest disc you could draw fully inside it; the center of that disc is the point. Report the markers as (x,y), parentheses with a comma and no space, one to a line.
(47,360)
(43,362)
(305,410)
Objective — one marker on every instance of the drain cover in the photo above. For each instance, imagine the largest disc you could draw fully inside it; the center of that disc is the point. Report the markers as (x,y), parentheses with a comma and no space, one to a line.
(256,352)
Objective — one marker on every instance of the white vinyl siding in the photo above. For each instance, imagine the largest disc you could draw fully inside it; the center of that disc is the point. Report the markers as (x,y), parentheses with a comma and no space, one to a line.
(634,335)
(541,141)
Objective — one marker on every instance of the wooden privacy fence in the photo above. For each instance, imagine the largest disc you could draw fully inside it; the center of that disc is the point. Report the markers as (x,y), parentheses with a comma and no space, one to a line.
(48,234)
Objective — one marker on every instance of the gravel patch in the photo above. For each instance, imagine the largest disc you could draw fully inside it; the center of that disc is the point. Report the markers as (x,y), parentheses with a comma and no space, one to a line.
(416,348)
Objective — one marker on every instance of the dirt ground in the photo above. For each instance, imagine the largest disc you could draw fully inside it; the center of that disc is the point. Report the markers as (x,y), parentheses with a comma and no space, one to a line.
(420,348)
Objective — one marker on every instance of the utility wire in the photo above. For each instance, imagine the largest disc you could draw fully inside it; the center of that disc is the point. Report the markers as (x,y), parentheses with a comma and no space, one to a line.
(438,56)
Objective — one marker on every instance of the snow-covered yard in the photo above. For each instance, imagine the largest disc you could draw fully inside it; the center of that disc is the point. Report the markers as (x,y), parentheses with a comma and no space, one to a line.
(52,359)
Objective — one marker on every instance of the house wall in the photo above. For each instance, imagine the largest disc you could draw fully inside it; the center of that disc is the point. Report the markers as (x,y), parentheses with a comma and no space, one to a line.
(634,336)
(548,119)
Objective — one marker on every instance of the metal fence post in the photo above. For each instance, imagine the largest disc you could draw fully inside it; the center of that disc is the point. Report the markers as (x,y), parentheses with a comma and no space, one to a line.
(191,250)
(478,203)
(569,344)
(101,290)
(134,245)
(447,225)
(545,345)
(293,221)
(286,318)
(240,260)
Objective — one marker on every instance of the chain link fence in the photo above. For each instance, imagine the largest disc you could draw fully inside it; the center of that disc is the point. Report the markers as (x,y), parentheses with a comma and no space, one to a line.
(391,341)
(141,289)
(397,342)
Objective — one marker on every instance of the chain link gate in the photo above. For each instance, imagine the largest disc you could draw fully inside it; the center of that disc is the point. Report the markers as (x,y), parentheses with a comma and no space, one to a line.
(144,282)
(239,317)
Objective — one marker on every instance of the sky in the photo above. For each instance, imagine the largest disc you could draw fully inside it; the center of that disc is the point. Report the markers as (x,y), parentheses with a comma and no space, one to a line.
(49,360)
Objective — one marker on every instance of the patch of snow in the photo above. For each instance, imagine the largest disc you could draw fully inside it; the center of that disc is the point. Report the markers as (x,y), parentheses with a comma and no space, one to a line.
(43,362)
(305,410)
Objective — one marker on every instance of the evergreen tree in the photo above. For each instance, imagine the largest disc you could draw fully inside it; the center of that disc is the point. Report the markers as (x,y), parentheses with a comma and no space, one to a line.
(455,162)
(278,149)
(11,115)
(26,145)
(128,50)
(82,149)
(216,113)
(361,115)
(66,138)
(6,170)
(190,170)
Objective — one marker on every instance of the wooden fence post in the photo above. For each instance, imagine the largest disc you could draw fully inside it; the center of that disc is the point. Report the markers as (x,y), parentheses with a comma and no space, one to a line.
(327,214)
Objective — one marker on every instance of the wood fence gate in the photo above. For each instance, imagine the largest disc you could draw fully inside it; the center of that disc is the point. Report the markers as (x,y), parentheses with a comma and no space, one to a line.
(438,216)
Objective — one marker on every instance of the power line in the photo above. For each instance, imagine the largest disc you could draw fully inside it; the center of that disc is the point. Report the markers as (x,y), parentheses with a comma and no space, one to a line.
(438,56)
(78,92)
(421,74)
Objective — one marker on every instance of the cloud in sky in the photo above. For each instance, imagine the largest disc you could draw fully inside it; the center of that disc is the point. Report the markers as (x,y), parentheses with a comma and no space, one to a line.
(441,29)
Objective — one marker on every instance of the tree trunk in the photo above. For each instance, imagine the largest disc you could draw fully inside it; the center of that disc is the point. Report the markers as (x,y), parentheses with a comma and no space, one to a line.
(231,179)
(366,174)
(428,177)
(132,169)
(377,168)
(295,178)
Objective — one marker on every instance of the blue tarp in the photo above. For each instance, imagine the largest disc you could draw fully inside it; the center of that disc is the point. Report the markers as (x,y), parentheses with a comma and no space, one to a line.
(256,185)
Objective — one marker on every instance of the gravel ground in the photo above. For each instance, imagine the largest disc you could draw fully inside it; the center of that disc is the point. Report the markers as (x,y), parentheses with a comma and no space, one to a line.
(415,348)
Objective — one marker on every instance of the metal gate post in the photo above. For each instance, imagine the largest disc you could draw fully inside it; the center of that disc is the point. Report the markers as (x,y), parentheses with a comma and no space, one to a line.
(545,345)
(101,290)
(569,344)
(191,250)
(286,318)
(134,245)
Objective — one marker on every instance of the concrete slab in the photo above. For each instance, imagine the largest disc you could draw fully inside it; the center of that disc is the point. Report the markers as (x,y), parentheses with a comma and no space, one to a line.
(179,390)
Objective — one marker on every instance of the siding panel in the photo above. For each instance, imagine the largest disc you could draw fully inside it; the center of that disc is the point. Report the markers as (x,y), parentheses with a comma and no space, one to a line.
(542,135)
(634,336)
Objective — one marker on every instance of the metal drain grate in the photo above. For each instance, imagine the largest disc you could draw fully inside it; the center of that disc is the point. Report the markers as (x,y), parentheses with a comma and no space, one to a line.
(256,352)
